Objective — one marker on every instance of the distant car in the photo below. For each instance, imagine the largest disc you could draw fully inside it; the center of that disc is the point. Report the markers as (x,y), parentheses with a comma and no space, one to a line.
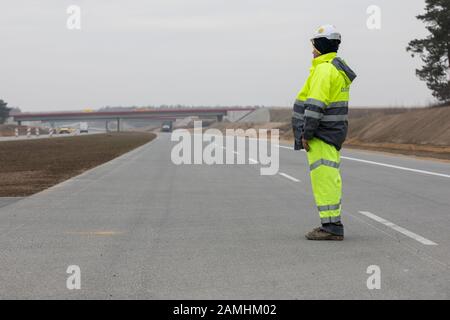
(166,126)
(65,130)
(84,128)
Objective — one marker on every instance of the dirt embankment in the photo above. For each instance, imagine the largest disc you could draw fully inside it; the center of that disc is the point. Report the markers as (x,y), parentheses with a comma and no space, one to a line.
(413,131)
(422,132)
(427,126)
(28,167)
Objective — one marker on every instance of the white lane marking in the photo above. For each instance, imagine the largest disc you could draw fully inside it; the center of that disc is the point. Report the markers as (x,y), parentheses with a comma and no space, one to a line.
(235,152)
(284,147)
(388,165)
(404,231)
(249,159)
(398,167)
(288,176)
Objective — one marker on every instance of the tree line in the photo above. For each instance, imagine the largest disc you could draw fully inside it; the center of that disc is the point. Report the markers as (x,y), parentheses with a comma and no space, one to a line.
(434,50)
(4,111)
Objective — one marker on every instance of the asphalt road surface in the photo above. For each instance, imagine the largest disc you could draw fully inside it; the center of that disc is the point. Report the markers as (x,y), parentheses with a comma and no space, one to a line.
(140,227)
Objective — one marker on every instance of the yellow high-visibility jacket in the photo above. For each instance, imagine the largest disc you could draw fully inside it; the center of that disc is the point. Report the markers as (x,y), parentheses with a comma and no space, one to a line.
(321,107)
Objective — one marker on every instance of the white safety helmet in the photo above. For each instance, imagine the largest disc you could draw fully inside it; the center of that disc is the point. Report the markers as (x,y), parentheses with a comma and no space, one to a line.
(327,31)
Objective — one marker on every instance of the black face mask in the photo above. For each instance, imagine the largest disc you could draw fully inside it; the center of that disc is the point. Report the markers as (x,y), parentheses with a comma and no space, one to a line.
(324,46)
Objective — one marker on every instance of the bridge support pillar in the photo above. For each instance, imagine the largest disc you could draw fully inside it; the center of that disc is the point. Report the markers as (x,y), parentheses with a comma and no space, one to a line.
(106,126)
(220,118)
(118,124)
(19,123)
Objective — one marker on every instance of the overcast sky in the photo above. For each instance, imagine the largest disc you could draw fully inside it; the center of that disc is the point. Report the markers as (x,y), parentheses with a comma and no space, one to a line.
(199,52)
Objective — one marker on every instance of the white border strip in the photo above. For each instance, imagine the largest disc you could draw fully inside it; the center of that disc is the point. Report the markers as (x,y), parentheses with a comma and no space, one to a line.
(387,165)
(398,167)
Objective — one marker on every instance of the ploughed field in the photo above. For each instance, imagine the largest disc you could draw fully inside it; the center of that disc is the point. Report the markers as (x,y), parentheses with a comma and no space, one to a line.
(30,166)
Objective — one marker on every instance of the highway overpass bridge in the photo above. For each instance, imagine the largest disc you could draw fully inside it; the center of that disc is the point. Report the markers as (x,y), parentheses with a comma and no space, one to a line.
(152,114)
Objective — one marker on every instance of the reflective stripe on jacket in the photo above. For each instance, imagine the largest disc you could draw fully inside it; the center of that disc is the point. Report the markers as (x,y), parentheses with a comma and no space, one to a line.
(321,108)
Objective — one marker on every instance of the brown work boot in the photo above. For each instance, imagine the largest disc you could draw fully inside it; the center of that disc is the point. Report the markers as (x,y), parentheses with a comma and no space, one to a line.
(321,234)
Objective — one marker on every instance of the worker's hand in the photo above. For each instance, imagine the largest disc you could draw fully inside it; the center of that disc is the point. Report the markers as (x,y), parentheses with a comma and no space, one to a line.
(305,144)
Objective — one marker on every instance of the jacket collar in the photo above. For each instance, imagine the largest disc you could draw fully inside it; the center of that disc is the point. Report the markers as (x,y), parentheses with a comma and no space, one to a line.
(324,58)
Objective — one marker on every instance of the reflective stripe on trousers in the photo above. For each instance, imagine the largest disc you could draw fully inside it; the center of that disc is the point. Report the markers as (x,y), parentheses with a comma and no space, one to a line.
(324,161)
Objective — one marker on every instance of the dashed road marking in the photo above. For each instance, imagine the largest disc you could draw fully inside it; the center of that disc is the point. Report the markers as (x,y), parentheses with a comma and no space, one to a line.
(397,228)
(284,147)
(289,177)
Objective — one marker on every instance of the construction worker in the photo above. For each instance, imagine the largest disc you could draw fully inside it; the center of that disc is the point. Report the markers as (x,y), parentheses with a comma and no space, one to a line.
(320,125)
